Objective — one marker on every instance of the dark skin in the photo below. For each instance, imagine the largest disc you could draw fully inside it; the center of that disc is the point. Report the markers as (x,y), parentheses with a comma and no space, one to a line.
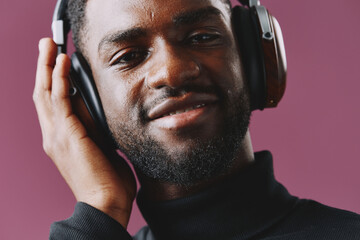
(136,49)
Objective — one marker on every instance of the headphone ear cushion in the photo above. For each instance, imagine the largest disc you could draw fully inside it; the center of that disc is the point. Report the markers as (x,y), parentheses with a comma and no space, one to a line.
(83,80)
(247,35)
(276,71)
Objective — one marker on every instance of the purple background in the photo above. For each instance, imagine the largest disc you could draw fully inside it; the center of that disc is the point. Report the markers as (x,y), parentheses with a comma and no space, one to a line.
(313,134)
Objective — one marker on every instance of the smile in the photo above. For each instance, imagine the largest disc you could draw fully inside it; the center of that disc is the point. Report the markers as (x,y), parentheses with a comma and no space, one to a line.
(185,110)
(190,110)
(180,105)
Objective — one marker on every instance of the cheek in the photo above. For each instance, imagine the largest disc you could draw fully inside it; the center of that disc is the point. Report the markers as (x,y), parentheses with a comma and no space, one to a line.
(117,96)
(224,67)
(235,69)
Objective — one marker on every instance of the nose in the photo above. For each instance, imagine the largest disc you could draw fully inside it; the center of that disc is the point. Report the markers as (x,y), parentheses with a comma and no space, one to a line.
(172,67)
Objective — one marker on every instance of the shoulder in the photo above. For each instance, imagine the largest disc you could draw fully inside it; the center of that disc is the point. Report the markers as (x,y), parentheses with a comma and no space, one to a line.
(309,210)
(312,220)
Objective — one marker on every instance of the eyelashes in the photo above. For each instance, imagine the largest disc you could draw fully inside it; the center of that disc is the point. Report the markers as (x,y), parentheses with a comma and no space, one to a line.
(206,39)
(130,57)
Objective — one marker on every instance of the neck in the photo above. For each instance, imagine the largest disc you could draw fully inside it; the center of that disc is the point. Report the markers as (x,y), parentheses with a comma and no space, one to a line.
(160,191)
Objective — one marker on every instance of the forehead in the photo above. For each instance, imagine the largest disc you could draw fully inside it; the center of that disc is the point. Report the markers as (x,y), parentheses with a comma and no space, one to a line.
(106,16)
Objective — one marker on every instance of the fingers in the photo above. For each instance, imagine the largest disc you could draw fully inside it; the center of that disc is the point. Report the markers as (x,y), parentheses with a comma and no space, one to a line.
(42,90)
(50,95)
(46,63)
(60,85)
(52,79)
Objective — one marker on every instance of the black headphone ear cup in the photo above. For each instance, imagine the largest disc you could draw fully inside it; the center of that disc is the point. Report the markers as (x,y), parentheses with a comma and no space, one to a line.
(83,80)
(247,35)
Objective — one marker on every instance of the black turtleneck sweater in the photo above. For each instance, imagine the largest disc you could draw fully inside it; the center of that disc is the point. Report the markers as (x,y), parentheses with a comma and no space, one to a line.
(251,205)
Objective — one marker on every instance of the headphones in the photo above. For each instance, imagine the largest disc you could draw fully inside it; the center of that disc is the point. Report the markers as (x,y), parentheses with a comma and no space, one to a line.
(260,44)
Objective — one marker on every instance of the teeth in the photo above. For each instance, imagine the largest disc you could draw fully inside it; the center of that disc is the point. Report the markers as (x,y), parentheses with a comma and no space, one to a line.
(185,110)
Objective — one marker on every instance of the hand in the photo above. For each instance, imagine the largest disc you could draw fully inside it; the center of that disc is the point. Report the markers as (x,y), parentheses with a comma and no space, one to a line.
(99,178)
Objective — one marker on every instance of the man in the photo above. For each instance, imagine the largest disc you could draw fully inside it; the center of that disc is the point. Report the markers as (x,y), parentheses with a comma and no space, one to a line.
(177,104)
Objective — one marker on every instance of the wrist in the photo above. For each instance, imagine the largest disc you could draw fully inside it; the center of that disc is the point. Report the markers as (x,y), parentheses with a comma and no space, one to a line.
(119,213)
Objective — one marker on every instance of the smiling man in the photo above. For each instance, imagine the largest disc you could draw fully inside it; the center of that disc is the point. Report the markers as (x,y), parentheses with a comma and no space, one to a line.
(167,87)
(177,104)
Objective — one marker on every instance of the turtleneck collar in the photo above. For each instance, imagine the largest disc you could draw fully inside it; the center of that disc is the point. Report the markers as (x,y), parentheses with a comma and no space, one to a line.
(237,208)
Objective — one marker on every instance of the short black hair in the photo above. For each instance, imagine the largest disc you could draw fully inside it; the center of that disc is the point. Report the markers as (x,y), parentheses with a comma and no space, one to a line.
(76,15)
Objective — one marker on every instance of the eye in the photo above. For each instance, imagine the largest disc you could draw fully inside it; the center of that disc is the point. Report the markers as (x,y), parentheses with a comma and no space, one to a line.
(129,58)
(206,39)
(203,38)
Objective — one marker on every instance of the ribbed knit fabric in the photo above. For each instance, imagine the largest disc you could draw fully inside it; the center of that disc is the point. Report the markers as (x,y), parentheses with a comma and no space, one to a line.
(250,206)
(88,223)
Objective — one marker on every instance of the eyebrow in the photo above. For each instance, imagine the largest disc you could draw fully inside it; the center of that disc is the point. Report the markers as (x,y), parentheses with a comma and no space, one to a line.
(186,18)
(122,36)
(196,16)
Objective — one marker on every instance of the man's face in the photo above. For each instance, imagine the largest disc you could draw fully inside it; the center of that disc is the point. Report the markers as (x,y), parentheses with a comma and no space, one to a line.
(169,77)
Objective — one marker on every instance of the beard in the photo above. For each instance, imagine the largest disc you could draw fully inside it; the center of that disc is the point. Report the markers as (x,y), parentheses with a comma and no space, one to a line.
(206,159)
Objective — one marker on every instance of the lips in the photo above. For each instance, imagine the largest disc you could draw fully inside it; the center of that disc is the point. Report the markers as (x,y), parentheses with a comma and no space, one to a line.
(184,104)
(185,110)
